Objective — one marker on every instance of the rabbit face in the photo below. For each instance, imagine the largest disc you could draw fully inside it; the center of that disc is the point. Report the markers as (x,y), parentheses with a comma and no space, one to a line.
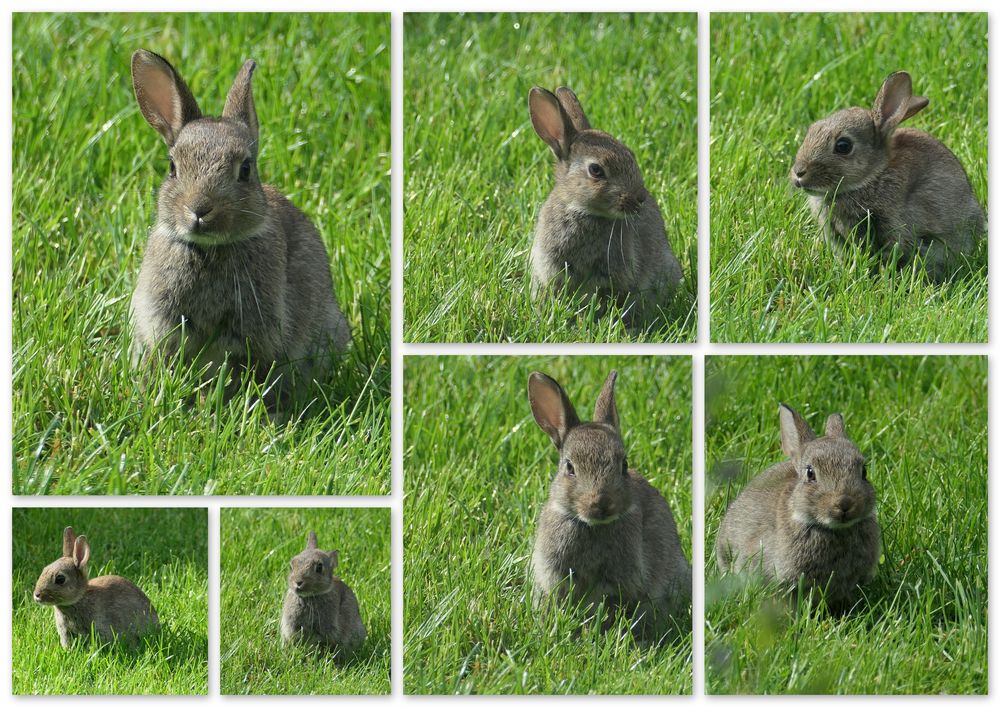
(833,489)
(601,177)
(311,571)
(593,479)
(839,154)
(212,194)
(61,584)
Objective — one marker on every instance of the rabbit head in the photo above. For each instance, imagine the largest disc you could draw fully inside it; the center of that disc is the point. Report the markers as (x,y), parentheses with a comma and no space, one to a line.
(64,582)
(212,194)
(832,490)
(842,152)
(311,572)
(595,174)
(592,483)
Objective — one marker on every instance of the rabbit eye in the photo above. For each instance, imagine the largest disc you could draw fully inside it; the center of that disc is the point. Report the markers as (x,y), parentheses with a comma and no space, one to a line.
(843,146)
(60,579)
(245,170)
(864,472)
(810,473)
(319,568)
(596,171)
(570,471)
(624,467)
(173,168)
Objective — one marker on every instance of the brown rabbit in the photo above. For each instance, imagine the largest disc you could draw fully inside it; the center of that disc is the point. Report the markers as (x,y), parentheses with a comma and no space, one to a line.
(599,232)
(810,518)
(232,269)
(887,186)
(605,534)
(319,608)
(112,606)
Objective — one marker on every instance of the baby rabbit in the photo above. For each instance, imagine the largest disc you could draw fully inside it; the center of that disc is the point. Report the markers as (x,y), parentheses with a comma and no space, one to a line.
(112,606)
(869,181)
(605,534)
(599,231)
(812,517)
(232,269)
(319,608)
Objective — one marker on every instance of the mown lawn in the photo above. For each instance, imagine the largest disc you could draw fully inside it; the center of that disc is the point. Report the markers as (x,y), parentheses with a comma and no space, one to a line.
(476,174)
(164,551)
(86,170)
(921,627)
(257,545)
(774,278)
(477,474)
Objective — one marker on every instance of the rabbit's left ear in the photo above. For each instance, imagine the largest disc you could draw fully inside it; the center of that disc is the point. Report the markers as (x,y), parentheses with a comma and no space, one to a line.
(835,426)
(334,558)
(895,102)
(239,101)
(571,104)
(81,553)
(605,409)
(69,540)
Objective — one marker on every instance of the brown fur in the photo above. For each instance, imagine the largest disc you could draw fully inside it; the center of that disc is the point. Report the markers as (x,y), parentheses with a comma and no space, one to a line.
(896,187)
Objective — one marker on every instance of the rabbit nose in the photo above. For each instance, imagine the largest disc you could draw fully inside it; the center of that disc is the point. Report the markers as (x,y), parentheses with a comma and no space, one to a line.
(298,584)
(844,504)
(799,170)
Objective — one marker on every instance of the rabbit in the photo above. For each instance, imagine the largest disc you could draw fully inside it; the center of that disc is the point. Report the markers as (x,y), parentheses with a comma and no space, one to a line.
(319,608)
(111,606)
(869,181)
(599,232)
(810,518)
(232,270)
(605,534)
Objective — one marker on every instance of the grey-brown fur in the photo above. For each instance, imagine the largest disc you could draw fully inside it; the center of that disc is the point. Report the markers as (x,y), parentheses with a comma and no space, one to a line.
(597,235)
(230,262)
(110,605)
(319,608)
(895,186)
(604,525)
(790,523)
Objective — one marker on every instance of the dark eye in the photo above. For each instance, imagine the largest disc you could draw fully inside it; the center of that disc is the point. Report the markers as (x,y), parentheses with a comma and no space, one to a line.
(245,170)
(843,146)
(810,473)
(596,170)
(864,472)
(570,471)
(624,467)
(60,579)
(319,568)
(173,168)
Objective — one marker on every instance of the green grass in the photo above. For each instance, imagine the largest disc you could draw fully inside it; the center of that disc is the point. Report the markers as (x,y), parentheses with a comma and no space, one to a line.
(476,174)
(477,474)
(164,552)
(257,545)
(774,278)
(86,169)
(921,627)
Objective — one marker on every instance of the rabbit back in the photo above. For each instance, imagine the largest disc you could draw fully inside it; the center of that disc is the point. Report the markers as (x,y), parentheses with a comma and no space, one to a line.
(113,606)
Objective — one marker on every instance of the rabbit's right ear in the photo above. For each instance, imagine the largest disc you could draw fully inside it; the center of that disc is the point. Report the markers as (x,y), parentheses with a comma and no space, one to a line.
(550,121)
(311,543)
(895,102)
(81,553)
(795,432)
(553,411)
(164,99)
(571,104)
(69,539)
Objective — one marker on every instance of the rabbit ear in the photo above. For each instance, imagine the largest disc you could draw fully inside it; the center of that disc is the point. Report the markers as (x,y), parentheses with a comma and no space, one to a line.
(164,99)
(835,426)
(550,121)
(69,539)
(571,104)
(334,558)
(795,432)
(605,410)
(311,540)
(895,102)
(81,553)
(239,101)
(553,411)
